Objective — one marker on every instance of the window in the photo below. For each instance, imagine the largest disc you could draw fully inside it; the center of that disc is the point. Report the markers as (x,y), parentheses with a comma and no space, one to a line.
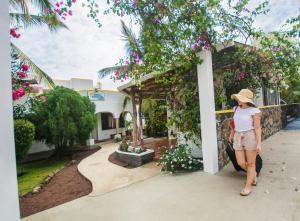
(107,121)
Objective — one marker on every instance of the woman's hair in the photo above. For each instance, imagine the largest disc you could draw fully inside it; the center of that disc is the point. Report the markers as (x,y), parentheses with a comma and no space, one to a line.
(251,105)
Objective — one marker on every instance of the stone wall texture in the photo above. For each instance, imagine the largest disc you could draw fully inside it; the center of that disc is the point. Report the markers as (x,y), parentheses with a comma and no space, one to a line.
(274,118)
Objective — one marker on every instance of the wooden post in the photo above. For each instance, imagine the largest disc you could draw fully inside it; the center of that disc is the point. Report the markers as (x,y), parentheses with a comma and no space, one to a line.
(140,135)
(207,112)
(9,199)
(134,119)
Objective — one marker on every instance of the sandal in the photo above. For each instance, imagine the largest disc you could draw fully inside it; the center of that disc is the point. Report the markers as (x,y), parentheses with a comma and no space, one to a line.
(244,193)
(254,183)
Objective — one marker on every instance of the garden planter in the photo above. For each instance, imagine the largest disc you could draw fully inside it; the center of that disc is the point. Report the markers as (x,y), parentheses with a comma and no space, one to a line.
(135,159)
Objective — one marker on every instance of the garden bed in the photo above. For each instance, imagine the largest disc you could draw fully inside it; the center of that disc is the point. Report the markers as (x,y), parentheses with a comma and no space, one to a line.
(135,159)
(66,185)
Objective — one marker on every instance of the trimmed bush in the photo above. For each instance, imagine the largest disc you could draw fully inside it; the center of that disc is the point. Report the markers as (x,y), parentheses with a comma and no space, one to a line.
(179,158)
(63,118)
(24,137)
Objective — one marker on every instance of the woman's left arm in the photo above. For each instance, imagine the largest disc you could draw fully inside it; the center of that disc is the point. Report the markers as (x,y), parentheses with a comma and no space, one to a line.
(257,128)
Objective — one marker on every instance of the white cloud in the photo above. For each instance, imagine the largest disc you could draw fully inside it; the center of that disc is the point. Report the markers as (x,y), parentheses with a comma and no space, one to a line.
(84,49)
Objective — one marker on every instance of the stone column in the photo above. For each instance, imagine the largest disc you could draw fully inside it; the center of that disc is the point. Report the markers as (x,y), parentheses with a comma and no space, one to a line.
(207,112)
(9,199)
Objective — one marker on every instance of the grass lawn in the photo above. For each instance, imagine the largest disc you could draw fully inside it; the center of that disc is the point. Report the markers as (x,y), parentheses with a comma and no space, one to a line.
(34,173)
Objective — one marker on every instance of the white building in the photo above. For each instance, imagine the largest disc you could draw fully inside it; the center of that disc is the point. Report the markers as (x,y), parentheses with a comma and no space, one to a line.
(109,107)
(110,113)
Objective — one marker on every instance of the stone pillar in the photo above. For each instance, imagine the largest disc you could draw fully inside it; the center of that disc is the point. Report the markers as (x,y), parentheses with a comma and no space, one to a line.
(207,112)
(9,199)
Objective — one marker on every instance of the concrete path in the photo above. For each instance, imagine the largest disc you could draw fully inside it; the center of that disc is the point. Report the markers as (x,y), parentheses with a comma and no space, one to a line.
(106,176)
(200,196)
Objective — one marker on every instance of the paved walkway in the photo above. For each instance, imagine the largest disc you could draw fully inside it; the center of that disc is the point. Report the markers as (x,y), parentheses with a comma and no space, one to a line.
(106,176)
(200,196)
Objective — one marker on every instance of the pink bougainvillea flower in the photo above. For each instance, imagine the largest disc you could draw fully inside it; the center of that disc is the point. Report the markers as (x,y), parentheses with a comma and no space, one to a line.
(70,12)
(43,99)
(25,67)
(21,74)
(46,10)
(124,68)
(57,4)
(21,92)
(74,1)
(64,18)
(117,72)
(61,3)
(195,46)
(13,32)
(27,84)
(242,75)
(127,62)
(15,95)
(57,11)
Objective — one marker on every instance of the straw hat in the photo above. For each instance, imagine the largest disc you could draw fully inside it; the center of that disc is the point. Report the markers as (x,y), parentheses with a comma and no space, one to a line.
(244,96)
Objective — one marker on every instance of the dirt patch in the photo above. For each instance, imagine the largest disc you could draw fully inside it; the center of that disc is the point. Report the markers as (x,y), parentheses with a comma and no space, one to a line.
(68,184)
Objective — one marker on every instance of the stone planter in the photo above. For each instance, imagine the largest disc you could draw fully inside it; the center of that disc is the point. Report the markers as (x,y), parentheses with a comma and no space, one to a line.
(135,159)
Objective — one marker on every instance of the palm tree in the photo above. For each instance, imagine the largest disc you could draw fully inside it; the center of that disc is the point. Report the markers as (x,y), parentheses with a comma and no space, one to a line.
(132,45)
(34,68)
(22,17)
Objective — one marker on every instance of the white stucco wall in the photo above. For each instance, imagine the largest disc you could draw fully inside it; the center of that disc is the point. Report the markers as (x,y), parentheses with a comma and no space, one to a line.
(9,200)
(113,102)
(81,84)
(65,83)
(39,146)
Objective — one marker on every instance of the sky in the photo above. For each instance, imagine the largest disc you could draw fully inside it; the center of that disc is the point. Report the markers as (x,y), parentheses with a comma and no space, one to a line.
(83,49)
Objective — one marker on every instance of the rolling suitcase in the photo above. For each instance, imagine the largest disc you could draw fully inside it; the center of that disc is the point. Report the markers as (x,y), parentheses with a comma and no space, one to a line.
(231,154)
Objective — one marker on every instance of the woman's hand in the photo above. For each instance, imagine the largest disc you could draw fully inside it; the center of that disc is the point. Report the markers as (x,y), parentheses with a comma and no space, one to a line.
(258,148)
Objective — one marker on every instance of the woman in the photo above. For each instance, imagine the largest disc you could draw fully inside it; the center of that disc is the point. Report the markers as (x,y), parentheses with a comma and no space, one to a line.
(246,136)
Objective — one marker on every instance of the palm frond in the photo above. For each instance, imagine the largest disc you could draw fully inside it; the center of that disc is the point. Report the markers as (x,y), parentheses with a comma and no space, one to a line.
(41,4)
(34,68)
(107,71)
(20,4)
(21,19)
(132,44)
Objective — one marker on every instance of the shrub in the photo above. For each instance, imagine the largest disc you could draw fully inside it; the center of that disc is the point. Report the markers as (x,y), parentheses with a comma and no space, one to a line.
(124,146)
(63,118)
(24,137)
(179,158)
(117,139)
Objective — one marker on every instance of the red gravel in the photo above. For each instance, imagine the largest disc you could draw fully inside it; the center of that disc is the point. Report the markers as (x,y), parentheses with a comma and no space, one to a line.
(68,184)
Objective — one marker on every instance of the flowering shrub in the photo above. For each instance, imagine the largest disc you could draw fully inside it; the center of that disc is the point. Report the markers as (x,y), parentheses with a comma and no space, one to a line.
(19,73)
(128,68)
(63,8)
(179,158)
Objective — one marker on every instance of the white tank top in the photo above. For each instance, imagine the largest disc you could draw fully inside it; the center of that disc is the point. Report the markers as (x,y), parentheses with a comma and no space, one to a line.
(243,120)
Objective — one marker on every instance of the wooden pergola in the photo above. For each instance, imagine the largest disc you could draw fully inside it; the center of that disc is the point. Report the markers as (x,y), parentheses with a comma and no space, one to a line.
(147,89)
